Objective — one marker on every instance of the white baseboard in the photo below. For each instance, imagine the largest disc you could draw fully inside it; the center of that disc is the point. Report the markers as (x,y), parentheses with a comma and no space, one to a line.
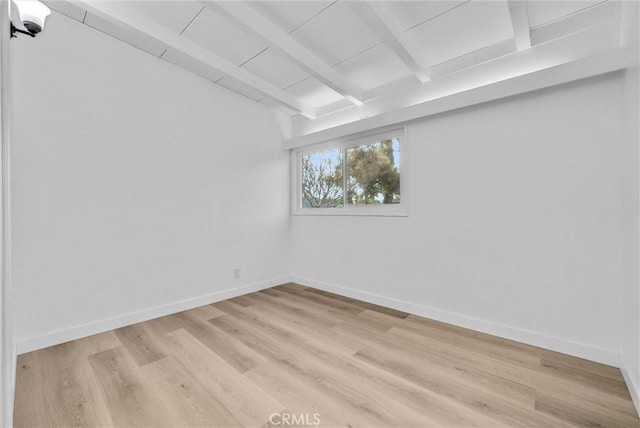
(65,335)
(589,352)
(581,350)
(632,386)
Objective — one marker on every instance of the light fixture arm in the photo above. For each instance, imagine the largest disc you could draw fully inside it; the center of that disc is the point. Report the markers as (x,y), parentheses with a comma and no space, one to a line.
(15,30)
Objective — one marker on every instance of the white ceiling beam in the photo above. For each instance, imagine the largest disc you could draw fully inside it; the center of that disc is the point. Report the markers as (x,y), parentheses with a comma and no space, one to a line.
(602,63)
(581,54)
(380,19)
(520,23)
(131,20)
(249,19)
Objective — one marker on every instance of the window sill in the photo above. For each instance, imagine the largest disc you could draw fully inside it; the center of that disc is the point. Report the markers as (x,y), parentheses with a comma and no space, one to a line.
(351,212)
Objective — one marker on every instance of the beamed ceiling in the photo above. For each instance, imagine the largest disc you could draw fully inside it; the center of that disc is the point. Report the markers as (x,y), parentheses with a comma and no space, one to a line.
(326,63)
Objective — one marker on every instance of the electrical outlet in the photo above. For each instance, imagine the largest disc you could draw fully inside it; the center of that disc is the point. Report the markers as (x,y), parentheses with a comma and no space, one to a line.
(236,273)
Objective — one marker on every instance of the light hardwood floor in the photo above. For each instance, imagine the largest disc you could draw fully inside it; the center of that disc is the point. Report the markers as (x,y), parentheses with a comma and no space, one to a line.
(292,355)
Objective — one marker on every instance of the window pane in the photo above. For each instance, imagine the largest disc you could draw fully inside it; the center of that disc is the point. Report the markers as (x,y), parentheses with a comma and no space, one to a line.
(322,179)
(373,173)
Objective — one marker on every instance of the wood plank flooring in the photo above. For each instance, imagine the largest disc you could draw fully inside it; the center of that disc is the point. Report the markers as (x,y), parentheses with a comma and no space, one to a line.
(296,356)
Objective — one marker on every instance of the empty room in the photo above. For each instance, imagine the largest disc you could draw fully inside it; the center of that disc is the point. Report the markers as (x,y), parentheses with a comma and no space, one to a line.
(350,213)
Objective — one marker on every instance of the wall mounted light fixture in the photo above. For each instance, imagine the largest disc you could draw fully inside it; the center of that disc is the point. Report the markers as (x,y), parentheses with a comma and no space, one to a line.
(28,17)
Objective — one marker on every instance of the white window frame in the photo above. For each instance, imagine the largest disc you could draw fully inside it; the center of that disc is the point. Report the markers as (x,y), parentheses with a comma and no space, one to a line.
(386,210)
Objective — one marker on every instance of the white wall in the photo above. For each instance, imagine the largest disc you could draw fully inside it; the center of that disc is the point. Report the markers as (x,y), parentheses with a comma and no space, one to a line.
(517,223)
(7,348)
(630,332)
(136,185)
(630,352)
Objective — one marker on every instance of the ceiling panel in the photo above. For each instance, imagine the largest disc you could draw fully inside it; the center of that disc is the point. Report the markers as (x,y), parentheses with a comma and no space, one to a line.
(136,39)
(470,27)
(289,15)
(213,31)
(543,12)
(189,64)
(314,93)
(275,68)
(412,13)
(174,15)
(375,67)
(474,58)
(336,34)
(397,85)
(590,17)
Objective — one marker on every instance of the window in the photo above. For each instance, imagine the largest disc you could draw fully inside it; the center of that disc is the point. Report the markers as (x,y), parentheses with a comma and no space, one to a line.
(357,177)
